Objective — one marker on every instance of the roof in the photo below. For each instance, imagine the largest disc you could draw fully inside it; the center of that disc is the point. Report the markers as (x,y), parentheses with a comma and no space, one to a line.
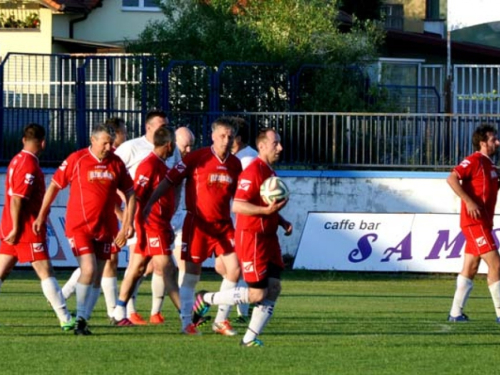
(72,6)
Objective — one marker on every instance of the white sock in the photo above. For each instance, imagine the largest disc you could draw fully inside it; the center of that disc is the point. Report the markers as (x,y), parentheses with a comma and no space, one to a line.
(82,294)
(495,296)
(233,296)
(242,307)
(224,309)
(53,293)
(464,287)
(158,293)
(120,311)
(186,294)
(131,302)
(110,290)
(92,300)
(261,315)
(69,288)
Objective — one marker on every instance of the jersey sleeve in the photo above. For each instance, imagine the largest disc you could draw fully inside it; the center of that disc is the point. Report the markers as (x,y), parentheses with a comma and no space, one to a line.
(125,183)
(62,176)
(142,181)
(181,169)
(466,168)
(248,187)
(22,180)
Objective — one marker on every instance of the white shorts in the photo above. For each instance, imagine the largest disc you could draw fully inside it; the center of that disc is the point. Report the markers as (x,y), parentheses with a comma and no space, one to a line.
(177,222)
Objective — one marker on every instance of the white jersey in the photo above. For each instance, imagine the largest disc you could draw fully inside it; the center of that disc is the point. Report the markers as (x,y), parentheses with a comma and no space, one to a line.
(246,155)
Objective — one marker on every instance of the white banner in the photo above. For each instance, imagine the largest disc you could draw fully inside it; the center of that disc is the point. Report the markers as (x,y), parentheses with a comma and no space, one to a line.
(469,13)
(382,242)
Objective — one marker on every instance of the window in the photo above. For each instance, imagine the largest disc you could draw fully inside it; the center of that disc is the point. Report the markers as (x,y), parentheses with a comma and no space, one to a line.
(148,5)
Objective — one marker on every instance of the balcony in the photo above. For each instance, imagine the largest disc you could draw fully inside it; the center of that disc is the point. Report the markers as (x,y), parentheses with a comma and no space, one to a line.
(19,15)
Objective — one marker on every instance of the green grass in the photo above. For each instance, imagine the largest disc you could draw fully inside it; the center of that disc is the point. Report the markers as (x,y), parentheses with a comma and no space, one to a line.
(324,323)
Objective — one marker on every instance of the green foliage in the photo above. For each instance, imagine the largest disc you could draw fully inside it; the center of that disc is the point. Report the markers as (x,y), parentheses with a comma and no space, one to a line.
(292,33)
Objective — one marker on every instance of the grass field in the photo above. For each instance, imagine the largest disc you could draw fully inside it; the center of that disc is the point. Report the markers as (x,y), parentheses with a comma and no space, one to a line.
(324,323)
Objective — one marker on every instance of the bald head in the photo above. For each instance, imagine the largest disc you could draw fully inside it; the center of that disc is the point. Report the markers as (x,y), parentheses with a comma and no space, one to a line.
(184,140)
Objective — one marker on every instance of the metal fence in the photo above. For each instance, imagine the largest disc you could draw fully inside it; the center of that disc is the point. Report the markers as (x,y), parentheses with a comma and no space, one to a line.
(310,140)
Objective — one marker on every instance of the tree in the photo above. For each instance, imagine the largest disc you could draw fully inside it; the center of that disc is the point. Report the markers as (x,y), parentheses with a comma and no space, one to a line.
(288,32)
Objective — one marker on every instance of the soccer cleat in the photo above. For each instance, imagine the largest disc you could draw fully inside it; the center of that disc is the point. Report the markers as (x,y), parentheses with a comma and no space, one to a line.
(122,323)
(191,330)
(200,307)
(200,321)
(69,326)
(224,328)
(242,319)
(255,342)
(137,319)
(156,319)
(82,328)
(498,320)
(460,318)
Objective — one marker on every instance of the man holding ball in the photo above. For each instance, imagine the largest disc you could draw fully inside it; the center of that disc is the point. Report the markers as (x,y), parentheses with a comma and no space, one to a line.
(256,242)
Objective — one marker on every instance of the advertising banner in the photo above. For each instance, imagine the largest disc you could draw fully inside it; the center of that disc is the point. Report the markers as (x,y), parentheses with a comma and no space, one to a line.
(382,242)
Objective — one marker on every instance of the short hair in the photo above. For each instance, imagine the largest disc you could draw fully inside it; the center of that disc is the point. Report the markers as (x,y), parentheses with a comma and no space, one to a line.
(163,135)
(155,113)
(242,129)
(262,136)
(103,128)
(116,123)
(481,135)
(34,132)
(224,121)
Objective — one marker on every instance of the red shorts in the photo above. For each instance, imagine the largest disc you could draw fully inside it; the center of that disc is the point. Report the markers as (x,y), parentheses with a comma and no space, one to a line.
(201,239)
(115,249)
(151,244)
(255,251)
(83,244)
(478,240)
(26,251)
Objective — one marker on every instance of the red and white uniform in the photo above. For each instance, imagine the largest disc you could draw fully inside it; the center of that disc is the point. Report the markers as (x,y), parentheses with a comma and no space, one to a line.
(24,179)
(480,181)
(93,184)
(210,186)
(155,236)
(256,239)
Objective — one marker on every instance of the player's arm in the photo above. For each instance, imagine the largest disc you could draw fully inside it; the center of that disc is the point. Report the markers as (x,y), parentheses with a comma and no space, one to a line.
(16,203)
(48,198)
(127,228)
(287,226)
(250,209)
(160,190)
(473,209)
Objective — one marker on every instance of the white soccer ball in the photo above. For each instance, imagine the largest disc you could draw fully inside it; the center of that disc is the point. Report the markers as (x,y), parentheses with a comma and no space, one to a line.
(273,189)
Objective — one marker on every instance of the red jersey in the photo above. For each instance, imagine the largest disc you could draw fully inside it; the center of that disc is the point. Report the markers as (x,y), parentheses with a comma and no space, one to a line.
(249,191)
(150,172)
(24,179)
(210,183)
(480,181)
(93,185)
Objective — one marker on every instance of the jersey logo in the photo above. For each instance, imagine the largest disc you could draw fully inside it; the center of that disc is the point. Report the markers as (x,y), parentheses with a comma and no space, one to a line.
(248,267)
(465,163)
(29,178)
(100,176)
(154,242)
(180,166)
(481,241)
(143,180)
(244,185)
(37,247)
(215,178)
(63,166)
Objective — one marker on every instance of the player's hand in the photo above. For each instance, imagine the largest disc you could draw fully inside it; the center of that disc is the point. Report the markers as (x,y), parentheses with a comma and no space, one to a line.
(12,237)
(474,210)
(287,226)
(276,206)
(121,238)
(37,226)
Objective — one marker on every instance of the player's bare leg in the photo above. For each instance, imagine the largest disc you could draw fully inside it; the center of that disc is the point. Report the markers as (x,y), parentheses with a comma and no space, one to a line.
(109,283)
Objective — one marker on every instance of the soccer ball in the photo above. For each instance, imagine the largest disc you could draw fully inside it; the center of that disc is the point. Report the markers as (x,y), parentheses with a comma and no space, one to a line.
(273,189)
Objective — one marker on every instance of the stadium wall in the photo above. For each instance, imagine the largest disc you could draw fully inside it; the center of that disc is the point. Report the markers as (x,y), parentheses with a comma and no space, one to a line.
(313,191)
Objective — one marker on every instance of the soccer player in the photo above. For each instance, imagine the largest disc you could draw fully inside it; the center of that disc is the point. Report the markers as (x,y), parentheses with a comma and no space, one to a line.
(155,236)
(475,181)
(94,175)
(24,189)
(109,283)
(243,151)
(133,153)
(257,243)
(211,175)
